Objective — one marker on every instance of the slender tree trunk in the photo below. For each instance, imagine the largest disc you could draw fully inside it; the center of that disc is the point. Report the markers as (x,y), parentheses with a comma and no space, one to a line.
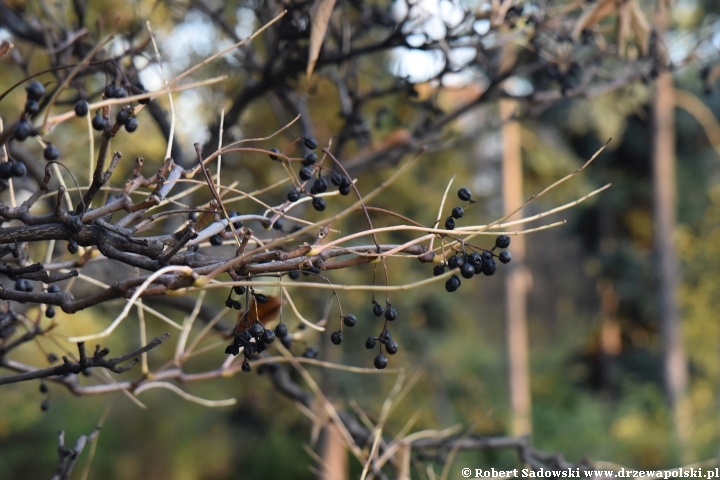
(665,205)
(610,339)
(517,280)
(334,455)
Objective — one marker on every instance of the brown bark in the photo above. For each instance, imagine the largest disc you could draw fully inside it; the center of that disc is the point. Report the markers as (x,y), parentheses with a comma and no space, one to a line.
(517,280)
(665,205)
(334,455)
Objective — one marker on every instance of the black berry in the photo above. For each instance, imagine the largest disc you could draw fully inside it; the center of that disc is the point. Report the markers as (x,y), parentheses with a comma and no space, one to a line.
(336,179)
(310,143)
(216,240)
(81,108)
(45,405)
(438,270)
(5,170)
(268,337)
(370,343)
(294,275)
(455,261)
(391,347)
(505,256)
(122,117)
(131,125)
(246,366)
(272,156)
(305,173)
(50,312)
(22,131)
(464,194)
(53,289)
(19,169)
(32,107)
(336,337)
(35,91)
(380,361)
(256,330)
(503,241)
(51,152)
(344,190)
(43,388)
(310,352)
(378,310)
(99,122)
(458,212)
(452,284)
(72,247)
(281,330)
(114,92)
(310,159)
(319,204)
(467,270)
(261,298)
(293,196)
(450,224)
(349,320)
(489,267)
(239,290)
(474,259)
(391,313)
(385,336)
(320,185)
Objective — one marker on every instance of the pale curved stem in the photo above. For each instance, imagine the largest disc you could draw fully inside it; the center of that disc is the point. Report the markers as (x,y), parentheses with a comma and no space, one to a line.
(131,302)
(182,393)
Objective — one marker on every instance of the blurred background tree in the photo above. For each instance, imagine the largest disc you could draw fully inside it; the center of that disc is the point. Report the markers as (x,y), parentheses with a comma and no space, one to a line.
(392,77)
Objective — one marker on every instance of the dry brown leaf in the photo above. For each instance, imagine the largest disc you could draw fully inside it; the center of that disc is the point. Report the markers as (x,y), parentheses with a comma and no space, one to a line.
(593,15)
(641,26)
(320,14)
(5,47)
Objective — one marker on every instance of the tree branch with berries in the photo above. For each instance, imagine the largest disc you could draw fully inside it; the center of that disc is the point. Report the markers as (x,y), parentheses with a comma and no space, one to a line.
(159,235)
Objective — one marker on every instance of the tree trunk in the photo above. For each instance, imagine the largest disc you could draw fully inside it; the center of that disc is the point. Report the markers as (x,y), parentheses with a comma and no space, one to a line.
(334,455)
(517,280)
(665,205)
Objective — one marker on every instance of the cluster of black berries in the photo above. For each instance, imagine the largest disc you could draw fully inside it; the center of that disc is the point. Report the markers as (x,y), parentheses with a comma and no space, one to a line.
(262,339)
(349,321)
(50,310)
(320,185)
(385,339)
(458,212)
(12,169)
(474,263)
(255,338)
(124,117)
(45,405)
(23,129)
(22,285)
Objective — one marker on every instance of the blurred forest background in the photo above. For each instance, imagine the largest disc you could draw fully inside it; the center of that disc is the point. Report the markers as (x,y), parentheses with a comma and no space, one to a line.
(595,287)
